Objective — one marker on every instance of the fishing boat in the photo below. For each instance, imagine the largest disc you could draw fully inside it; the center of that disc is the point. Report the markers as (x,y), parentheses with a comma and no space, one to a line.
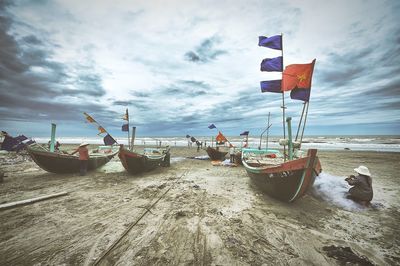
(61,163)
(215,154)
(149,159)
(286,181)
(289,176)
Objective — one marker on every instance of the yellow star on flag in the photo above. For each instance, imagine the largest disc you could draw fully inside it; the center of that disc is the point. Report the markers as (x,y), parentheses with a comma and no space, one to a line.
(301,77)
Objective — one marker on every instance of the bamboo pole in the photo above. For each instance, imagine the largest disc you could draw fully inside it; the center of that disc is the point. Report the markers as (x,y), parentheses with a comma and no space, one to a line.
(301,119)
(30,201)
(304,125)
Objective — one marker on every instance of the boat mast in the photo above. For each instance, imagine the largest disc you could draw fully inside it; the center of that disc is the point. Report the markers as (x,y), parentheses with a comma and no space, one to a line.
(283,106)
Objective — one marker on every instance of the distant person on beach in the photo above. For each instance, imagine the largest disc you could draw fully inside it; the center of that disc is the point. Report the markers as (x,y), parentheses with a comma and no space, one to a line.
(361,191)
(56,145)
(232,153)
(83,157)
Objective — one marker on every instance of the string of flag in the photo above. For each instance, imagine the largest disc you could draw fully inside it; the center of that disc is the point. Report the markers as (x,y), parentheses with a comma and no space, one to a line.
(108,139)
(296,78)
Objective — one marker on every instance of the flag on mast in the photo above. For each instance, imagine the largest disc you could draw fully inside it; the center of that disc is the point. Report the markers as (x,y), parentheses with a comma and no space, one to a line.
(273,42)
(126,115)
(272,64)
(212,126)
(297,76)
(101,130)
(89,118)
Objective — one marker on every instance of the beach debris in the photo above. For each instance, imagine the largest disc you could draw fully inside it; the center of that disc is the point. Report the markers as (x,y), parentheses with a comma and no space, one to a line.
(180,214)
(203,157)
(14,144)
(346,255)
(30,201)
(196,187)
(223,163)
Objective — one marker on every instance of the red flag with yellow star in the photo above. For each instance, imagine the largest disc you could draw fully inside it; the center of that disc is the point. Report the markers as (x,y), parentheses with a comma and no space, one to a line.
(297,76)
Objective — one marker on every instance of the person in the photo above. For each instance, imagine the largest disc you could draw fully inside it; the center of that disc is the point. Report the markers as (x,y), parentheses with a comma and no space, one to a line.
(198,145)
(232,153)
(83,157)
(361,190)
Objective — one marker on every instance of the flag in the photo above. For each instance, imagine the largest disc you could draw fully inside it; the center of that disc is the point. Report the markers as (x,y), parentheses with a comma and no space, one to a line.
(187,136)
(101,130)
(220,138)
(271,86)
(245,133)
(126,115)
(108,140)
(212,126)
(300,94)
(297,76)
(274,42)
(193,139)
(125,127)
(272,64)
(89,118)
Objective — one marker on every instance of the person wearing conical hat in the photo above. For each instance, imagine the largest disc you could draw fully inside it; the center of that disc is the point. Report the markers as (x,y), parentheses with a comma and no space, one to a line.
(83,157)
(361,190)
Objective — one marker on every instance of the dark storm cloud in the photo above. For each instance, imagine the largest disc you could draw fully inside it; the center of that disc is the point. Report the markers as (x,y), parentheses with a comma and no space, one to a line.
(205,52)
(32,83)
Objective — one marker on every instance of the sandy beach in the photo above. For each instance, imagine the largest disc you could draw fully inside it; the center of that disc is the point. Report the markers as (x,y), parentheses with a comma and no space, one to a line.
(193,213)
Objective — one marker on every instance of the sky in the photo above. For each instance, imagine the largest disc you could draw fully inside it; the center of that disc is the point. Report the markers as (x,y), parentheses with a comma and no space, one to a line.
(179,66)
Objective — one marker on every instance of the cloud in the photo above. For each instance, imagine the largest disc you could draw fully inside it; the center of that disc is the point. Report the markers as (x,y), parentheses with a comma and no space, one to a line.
(206,51)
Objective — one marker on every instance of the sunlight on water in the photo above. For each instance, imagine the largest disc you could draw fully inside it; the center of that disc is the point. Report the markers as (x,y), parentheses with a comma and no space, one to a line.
(333,189)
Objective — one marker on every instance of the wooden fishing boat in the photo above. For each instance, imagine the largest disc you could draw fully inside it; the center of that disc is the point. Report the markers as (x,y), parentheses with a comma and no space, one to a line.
(149,159)
(285,181)
(60,163)
(216,155)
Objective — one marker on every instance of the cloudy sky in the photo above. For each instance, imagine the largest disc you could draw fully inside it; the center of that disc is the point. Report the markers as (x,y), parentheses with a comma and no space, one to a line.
(181,65)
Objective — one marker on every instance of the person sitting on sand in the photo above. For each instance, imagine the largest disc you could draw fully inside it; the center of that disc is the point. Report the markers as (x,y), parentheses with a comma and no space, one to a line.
(83,157)
(361,191)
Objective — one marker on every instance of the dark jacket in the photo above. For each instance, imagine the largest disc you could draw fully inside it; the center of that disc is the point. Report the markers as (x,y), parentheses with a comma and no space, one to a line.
(362,187)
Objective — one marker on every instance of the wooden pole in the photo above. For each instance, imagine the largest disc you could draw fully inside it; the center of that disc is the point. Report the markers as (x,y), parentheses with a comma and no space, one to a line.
(133,137)
(290,145)
(53,137)
(30,201)
(304,125)
(301,119)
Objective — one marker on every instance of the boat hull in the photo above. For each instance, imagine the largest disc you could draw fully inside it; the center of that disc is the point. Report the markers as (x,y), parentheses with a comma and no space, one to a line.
(60,163)
(288,181)
(136,163)
(215,155)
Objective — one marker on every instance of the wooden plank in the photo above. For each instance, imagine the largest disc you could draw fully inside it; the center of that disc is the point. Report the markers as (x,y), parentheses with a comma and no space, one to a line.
(30,201)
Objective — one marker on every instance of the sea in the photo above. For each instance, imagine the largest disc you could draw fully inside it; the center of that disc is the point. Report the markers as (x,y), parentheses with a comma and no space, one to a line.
(356,143)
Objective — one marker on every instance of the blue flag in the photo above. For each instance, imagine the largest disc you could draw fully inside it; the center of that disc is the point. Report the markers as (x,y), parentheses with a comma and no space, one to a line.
(300,94)
(212,126)
(125,127)
(274,42)
(271,86)
(245,133)
(108,140)
(272,64)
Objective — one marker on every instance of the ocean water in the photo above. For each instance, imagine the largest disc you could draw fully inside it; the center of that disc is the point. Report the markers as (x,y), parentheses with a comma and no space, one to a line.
(356,143)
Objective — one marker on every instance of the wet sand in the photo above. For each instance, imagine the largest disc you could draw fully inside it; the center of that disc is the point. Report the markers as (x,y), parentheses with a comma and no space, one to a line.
(198,214)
